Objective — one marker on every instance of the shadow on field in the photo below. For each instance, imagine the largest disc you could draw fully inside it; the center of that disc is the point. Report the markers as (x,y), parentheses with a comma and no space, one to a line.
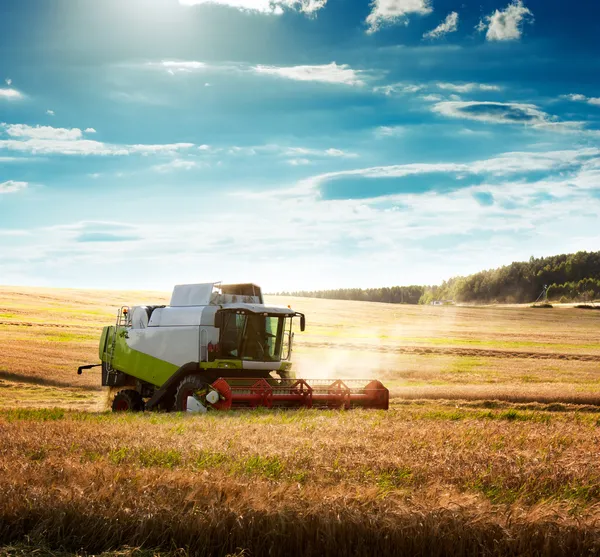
(341,531)
(33,380)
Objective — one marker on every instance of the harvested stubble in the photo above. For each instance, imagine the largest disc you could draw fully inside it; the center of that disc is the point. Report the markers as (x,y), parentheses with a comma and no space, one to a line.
(423,479)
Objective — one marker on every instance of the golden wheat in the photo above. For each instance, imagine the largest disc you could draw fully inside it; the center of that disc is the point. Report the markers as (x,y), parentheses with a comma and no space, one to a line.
(505,464)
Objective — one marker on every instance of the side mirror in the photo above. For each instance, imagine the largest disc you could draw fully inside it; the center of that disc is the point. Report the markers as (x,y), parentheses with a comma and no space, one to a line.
(302,322)
(219,320)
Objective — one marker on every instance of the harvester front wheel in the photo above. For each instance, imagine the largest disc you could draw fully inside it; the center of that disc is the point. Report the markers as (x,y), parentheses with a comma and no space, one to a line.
(188,386)
(128,400)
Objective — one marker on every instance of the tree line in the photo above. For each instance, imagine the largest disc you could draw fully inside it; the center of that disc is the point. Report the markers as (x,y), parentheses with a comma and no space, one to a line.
(391,295)
(567,277)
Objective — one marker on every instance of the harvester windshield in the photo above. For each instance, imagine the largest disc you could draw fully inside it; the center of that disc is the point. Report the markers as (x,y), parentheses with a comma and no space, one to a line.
(253,336)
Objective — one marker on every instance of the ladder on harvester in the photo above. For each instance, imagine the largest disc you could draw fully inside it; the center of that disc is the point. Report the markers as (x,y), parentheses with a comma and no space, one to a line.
(123,319)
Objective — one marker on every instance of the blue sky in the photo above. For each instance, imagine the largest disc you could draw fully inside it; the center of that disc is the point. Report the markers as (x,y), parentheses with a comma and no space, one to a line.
(299,144)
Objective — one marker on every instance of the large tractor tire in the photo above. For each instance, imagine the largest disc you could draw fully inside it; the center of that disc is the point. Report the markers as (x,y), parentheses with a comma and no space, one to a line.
(128,400)
(188,386)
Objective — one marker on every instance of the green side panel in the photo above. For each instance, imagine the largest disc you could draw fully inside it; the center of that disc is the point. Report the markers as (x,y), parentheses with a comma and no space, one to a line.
(222,364)
(102,346)
(140,365)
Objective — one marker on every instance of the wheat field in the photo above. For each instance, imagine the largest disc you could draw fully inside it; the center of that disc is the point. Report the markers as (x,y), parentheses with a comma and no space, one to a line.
(490,446)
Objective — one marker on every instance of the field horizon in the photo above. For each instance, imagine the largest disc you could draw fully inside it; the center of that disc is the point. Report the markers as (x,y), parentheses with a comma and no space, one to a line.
(506,352)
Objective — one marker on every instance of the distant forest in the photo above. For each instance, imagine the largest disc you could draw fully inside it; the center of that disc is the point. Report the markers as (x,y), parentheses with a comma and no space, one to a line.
(571,277)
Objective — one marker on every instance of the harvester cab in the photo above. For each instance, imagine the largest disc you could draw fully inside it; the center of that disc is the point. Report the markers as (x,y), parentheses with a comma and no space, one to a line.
(215,347)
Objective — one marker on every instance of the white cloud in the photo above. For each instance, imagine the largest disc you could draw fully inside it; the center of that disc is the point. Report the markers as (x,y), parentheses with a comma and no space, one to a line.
(500,113)
(338,153)
(431,98)
(389,131)
(387,12)
(178,66)
(306,152)
(50,112)
(47,140)
(176,164)
(505,164)
(42,132)
(467,87)
(11,186)
(395,88)
(506,25)
(574,97)
(162,148)
(470,132)
(326,73)
(10,94)
(582,98)
(8,81)
(298,162)
(449,25)
(298,153)
(273,7)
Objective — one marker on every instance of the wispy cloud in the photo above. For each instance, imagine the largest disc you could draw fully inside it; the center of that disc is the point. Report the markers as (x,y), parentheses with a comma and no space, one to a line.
(388,12)
(506,25)
(180,66)
(507,164)
(50,112)
(467,87)
(42,132)
(11,186)
(326,73)
(502,113)
(10,94)
(104,237)
(582,98)
(398,88)
(389,131)
(409,88)
(298,162)
(175,165)
(273,7)
(48,140)
(299,154)
(449,25)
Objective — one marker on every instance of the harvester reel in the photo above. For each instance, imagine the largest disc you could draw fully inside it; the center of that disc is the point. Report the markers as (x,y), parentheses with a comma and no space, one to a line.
(128,400)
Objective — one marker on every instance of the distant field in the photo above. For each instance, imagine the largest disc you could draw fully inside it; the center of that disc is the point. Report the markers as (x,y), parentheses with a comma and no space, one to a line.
(490,446)
(509,353)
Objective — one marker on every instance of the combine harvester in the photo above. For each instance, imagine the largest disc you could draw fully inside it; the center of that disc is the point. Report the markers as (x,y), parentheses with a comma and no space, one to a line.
(215,347)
